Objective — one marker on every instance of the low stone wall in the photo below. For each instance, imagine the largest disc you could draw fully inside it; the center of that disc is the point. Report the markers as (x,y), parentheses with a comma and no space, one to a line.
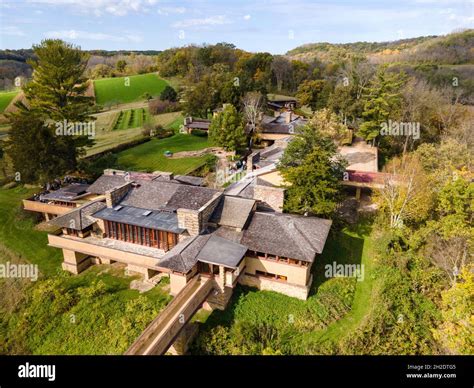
(261,283)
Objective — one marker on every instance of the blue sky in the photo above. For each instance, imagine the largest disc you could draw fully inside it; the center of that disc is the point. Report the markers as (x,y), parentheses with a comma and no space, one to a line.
(267,25)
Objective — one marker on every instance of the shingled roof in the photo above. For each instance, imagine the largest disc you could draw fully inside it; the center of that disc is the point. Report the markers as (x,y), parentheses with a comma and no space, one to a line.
(80,218)
(292,236)
(183,256)
(233,211)
(157,195)
(105,183)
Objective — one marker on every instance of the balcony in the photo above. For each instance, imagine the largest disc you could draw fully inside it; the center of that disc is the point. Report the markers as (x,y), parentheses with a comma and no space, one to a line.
(115,250)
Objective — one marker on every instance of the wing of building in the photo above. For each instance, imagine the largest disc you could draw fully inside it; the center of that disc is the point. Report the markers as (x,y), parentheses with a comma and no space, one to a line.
(157,223)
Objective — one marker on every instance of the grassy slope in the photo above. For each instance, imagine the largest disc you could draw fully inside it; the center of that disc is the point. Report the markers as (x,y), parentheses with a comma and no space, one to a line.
(103,324)
(6,98)
(150,156)
(360,305)
(107,138)
(17,233)
(114,89)
(319,318)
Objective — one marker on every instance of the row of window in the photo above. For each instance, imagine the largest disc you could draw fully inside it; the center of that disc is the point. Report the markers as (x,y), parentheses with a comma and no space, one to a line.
(272,276)
(139,235)
(281,259)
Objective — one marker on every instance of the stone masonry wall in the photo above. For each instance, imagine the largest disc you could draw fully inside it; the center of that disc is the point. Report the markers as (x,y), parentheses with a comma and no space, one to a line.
(112,197)
(292,290)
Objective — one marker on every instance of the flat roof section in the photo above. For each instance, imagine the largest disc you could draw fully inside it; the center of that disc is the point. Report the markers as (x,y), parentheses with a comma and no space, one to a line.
(67,193)
(220,251)
(161,220)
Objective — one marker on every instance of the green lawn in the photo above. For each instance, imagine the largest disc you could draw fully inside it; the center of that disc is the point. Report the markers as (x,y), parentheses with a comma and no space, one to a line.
(115,90)
(17,233)
(131,118)
(95,312)
(6,98)
(107,138)
(150,156)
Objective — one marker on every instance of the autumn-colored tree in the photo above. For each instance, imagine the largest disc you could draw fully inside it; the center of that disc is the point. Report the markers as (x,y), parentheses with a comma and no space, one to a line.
(456,332)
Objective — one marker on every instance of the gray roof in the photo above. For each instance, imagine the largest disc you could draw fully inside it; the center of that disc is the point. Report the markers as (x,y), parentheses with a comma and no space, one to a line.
(157,195)
(67,193)
(189,180)
(207,248)
(80,218)
(233,211)
(162,220)
(183,256)
(221,251)
(292,236)
(106,182)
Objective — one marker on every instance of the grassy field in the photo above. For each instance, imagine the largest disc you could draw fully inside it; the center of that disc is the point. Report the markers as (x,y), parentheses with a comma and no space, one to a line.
(6,98)
(291,326)
(131,118)
(107,138)
(95,312)
(150,156)
(115,90)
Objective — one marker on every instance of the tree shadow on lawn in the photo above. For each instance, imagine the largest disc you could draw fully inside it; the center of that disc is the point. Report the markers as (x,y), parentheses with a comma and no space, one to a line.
(342,247)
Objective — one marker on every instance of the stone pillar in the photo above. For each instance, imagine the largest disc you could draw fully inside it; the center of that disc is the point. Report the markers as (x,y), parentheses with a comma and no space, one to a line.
(75,262)
(221,279)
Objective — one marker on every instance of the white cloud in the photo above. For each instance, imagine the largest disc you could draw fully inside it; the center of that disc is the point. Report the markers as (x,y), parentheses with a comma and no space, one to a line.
(11,31)
(171,10)
(247,17)
(100,7)
(208,21)
(85,35)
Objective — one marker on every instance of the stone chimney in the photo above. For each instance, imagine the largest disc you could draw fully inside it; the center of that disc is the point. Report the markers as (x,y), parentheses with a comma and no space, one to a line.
(288,117)
(113,197)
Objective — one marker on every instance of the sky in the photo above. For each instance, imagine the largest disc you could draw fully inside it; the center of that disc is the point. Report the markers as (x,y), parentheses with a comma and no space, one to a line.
(275,26)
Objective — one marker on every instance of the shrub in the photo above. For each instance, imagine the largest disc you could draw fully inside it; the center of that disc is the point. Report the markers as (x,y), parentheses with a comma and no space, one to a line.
(157,106)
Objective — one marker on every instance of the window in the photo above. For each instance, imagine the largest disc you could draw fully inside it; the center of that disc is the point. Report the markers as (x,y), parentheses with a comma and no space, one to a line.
(271,276)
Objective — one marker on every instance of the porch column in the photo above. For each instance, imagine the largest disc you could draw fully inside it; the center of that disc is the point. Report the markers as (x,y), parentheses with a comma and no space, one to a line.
(358,190)
(221,280)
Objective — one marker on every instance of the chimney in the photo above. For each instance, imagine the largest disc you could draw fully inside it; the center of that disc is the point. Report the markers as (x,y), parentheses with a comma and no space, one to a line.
(113,197)
(288,117)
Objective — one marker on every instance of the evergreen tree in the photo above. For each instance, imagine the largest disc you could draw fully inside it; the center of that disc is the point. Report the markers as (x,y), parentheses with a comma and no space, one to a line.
(169,94)
(227,129)
(382,102)
(312,171)
(55,98)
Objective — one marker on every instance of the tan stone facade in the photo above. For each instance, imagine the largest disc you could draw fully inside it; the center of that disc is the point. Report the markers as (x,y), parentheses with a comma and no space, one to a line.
(293,290)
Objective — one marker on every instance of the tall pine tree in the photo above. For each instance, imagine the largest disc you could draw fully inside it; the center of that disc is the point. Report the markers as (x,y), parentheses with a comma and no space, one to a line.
(56,94)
